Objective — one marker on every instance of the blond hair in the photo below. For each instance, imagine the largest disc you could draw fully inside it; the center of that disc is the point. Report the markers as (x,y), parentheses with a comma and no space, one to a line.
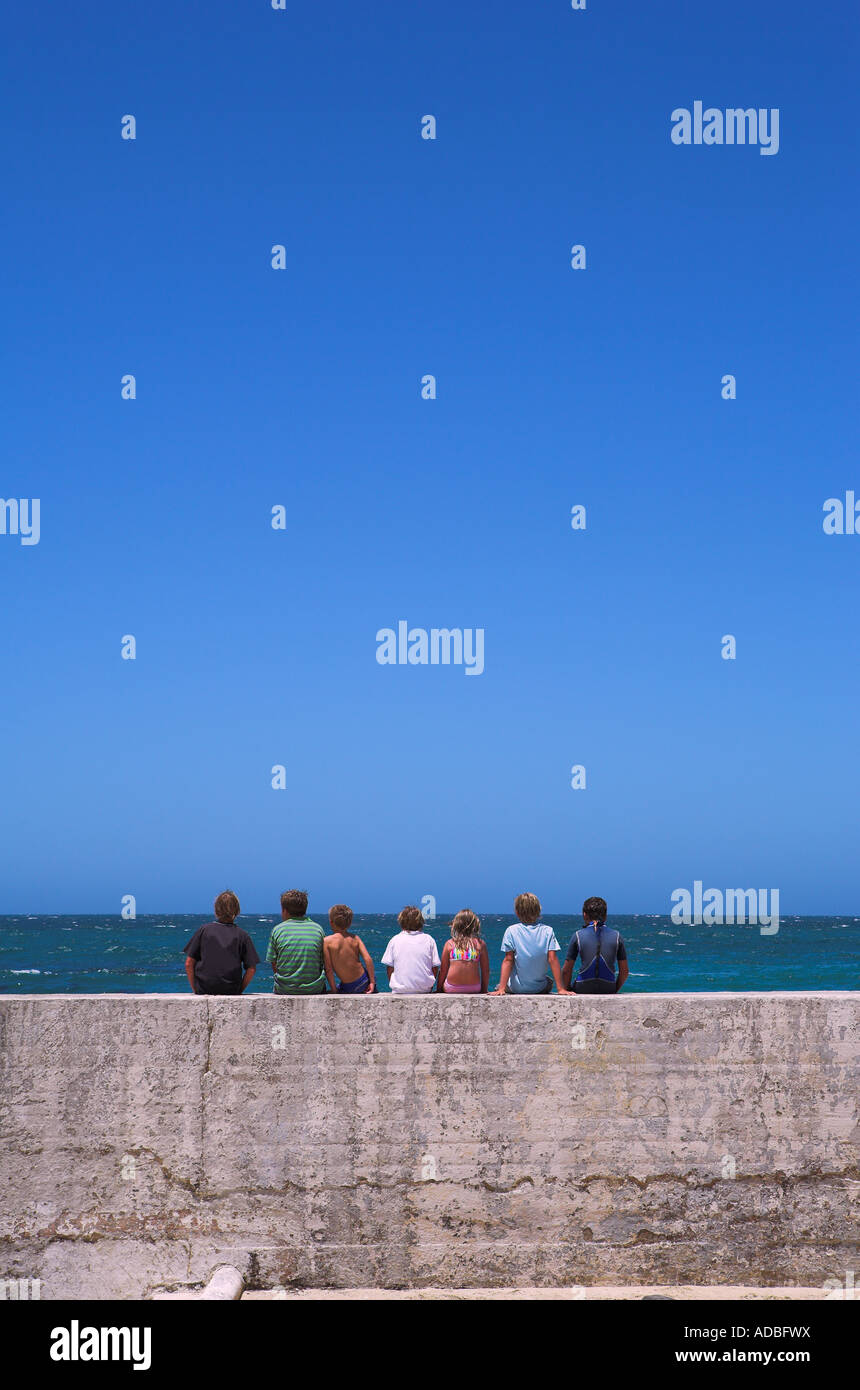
(528,909)
(466,925)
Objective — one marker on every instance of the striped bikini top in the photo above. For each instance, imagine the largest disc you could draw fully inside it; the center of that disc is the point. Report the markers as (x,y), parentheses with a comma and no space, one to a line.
(469,952)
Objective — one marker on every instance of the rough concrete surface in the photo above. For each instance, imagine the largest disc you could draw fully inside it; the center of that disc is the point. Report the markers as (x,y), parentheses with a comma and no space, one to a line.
(685,1293)
(449,1142)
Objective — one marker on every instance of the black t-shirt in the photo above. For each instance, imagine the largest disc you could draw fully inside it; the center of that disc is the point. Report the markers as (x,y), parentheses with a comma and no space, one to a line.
(223,953)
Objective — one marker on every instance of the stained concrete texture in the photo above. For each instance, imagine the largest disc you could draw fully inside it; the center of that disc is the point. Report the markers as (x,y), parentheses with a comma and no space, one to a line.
(449,1142)
(599,1292)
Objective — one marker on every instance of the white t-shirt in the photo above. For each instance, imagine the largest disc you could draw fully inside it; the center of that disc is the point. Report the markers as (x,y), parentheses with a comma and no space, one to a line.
(413,955)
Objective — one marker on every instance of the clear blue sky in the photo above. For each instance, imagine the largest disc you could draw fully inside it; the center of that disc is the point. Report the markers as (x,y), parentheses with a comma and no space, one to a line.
(258,387)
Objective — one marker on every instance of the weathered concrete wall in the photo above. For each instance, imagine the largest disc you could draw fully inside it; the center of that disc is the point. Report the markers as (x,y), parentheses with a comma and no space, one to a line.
(407,1142)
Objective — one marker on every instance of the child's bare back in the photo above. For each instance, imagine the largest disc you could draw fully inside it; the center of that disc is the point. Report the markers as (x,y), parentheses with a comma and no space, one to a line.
(344,952)
(346,956)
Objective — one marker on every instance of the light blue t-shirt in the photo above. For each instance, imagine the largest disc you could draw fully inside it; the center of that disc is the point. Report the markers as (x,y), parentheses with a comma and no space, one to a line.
(530,945)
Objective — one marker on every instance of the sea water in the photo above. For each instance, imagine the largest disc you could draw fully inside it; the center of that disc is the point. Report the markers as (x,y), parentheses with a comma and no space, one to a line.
(107,955)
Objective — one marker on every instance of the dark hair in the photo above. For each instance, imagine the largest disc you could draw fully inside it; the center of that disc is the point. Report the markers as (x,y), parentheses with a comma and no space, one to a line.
(294,902)
(410,919)
(340,916)
(594,910)
(226,906)
(528,909)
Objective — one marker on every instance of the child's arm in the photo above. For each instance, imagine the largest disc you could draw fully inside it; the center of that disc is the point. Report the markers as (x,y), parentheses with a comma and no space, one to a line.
(552,956)
(248,977)
(189,970)
(327,965)
(507,967)
(368,965)
(569,960)
(485,968)
(442,972)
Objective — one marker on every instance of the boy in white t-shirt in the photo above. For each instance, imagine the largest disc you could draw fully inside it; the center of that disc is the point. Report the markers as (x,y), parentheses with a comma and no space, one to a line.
(411,957)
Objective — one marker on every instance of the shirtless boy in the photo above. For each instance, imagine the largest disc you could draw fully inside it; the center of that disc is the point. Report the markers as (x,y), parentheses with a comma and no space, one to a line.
(346,956)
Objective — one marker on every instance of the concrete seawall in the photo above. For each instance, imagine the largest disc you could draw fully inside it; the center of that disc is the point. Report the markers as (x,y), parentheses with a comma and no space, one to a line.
(355,1142)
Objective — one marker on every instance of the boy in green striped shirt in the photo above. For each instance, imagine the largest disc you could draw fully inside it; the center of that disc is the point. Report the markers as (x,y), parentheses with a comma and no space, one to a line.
(296,948)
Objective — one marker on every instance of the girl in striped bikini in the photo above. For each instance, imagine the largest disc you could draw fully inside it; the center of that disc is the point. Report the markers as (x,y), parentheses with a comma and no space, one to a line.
(465,967)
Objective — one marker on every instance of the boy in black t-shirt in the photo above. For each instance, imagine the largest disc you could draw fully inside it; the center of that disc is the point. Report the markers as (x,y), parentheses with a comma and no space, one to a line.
(221,958)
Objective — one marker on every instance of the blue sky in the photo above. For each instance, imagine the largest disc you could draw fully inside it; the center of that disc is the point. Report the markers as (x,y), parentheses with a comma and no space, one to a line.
(300,387)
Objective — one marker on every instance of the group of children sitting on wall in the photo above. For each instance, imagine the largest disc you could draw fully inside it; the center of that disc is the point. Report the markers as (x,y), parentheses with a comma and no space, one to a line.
(221,958)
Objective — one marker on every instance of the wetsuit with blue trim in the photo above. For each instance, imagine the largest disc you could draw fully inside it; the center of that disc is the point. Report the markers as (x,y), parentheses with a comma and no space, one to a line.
(599,949)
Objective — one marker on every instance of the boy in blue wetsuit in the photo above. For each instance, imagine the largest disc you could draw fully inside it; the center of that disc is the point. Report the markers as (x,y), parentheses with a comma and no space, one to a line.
(600,949)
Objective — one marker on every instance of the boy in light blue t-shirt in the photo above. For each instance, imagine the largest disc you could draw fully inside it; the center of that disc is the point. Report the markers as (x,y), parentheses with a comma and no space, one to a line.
(530,949)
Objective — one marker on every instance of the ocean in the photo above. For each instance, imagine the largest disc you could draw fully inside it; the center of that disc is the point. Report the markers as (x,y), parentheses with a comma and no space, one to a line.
(106,955)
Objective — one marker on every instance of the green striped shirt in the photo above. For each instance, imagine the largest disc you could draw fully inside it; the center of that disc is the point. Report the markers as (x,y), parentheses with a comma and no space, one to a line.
(296,952)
